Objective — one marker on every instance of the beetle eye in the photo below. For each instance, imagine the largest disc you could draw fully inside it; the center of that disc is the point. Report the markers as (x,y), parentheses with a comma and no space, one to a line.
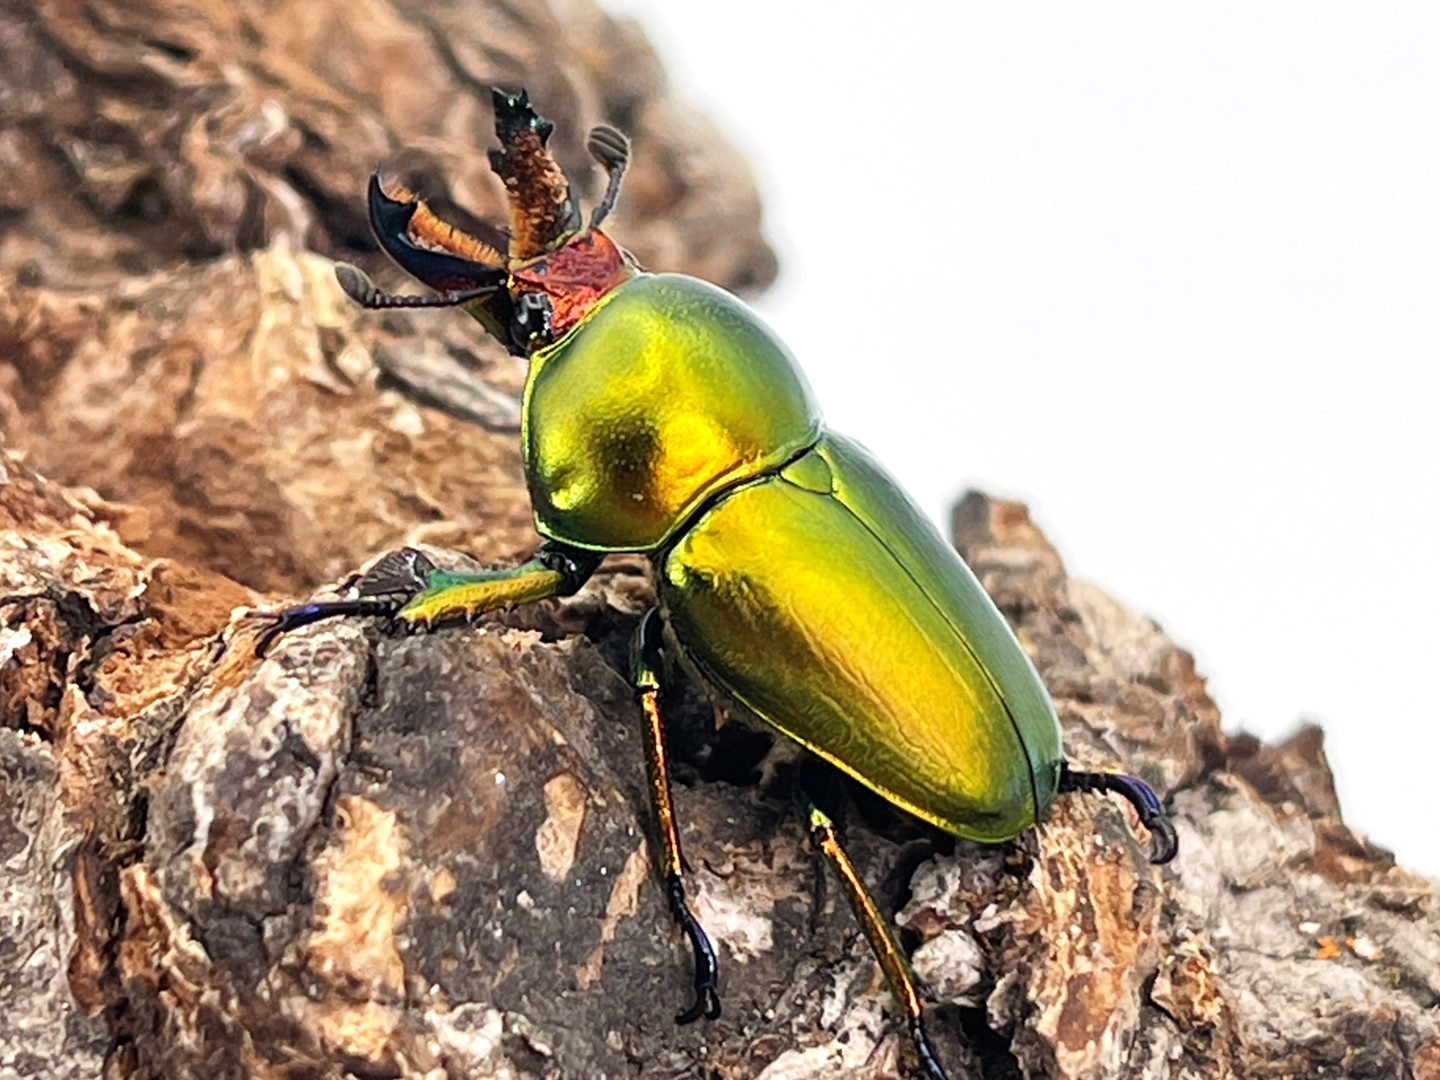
(532,320)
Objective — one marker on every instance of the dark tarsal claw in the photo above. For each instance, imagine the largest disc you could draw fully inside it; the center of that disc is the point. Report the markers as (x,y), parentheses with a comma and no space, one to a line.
(707,1006)
(707,967)
(1164,841)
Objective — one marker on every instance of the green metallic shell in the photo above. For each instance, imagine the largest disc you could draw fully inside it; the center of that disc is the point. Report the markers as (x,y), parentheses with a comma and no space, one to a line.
(668,392)
(822,600)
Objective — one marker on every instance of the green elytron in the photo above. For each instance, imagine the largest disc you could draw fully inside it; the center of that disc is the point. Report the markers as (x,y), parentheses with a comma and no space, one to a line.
(661,416)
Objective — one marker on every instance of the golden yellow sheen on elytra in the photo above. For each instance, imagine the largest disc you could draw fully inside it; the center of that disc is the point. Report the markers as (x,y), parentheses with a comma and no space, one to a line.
(796,575)
(817,615)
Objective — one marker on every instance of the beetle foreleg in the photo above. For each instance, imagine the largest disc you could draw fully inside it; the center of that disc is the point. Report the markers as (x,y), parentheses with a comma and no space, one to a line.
(1164,843)
(647,667)
(554,570)
(408,587)
(878,933)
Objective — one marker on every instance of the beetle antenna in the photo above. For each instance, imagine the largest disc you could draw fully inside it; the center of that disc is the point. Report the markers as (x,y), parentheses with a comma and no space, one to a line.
(1164,843)
(612,151)
(359,286)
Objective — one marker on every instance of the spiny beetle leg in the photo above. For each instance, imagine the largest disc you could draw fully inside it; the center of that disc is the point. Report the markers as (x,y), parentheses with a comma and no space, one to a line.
(1164,842)
(410,589)
(554,570)
(646,664)
(383,590)
(825,837)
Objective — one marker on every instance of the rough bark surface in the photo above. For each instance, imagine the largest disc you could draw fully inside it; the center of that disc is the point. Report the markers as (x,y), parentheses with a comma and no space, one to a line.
(160,162)
(368,855)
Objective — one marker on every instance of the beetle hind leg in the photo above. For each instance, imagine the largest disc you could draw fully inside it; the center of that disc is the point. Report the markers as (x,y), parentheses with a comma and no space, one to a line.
(647,665)
(1164,843)
(826,839)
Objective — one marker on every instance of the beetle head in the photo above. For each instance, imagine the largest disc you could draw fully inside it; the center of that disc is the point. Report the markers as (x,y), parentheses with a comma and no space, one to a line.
(552,272)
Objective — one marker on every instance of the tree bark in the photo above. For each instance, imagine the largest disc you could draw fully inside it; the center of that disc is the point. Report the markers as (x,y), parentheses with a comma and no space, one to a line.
(370,855)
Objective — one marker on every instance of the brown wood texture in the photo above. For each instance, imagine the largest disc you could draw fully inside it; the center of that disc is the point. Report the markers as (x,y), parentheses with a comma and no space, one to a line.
(371,855)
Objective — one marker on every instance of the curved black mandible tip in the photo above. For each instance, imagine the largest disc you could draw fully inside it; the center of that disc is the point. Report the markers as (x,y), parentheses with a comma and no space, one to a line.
(389,218)
(458,278)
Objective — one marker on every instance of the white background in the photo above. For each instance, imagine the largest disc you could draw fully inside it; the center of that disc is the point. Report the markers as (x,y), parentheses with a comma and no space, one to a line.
(1170,274)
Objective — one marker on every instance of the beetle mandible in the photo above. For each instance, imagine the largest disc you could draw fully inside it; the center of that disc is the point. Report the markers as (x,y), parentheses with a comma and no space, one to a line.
(662,416)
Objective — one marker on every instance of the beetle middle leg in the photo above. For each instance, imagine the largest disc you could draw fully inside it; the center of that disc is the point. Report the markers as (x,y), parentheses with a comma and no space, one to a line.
(647,665)
(826,838)
(408,587)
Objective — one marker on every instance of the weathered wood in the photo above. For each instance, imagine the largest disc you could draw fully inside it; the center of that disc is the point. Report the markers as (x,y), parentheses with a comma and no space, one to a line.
(368,855)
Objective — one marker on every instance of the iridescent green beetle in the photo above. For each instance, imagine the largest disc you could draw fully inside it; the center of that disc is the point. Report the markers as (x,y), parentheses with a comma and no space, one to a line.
(661,416)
